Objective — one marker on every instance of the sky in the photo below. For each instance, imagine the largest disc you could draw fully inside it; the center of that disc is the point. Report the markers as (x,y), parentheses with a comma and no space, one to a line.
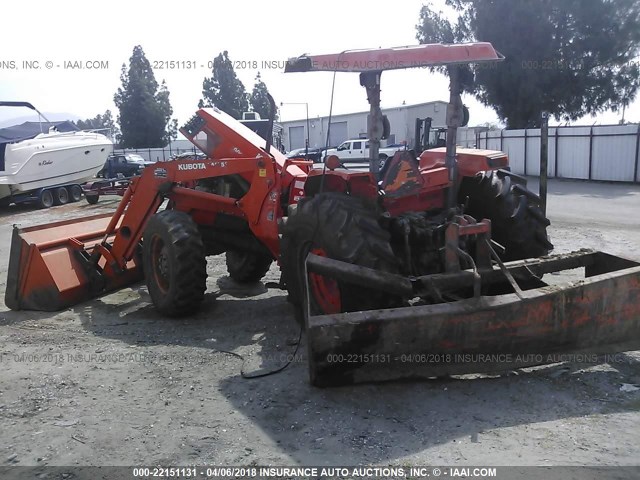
(259,36)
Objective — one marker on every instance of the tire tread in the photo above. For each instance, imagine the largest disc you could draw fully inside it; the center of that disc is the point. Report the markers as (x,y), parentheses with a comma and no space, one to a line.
(517,221)
(188,281)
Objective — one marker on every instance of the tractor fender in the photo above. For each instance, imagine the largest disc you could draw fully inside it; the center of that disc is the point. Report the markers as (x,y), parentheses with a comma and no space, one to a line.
(361,184)
(470,160)
(331,183)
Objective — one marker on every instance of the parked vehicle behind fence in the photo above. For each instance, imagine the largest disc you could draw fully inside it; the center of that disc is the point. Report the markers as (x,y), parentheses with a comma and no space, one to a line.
(127,165)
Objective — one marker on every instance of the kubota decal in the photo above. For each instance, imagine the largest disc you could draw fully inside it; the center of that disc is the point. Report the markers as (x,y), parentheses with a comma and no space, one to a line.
(192,166)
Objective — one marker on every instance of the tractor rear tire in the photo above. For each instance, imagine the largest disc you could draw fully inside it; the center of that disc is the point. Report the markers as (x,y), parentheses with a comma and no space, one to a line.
(517,221)
(174,263)
(247,267)
(344,228)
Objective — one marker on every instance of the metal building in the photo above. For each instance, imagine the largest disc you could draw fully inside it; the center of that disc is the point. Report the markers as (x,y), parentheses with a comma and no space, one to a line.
(354,125)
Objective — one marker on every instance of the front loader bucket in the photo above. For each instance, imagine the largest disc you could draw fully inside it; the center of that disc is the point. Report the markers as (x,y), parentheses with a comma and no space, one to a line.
(50,266)
(596,315)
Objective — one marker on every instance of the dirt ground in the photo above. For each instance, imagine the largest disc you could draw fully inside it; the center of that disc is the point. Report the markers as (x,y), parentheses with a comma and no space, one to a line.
(109,382)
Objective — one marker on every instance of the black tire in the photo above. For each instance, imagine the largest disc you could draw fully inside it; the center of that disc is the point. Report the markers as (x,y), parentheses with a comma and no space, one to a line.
(75,191)
(45,199)
(382,161)
(517,221)
(174,263)
(346,229)
(61,196)
(247,267)
(92,198)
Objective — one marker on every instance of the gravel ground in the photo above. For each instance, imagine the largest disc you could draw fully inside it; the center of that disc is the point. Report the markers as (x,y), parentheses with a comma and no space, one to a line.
(109,382)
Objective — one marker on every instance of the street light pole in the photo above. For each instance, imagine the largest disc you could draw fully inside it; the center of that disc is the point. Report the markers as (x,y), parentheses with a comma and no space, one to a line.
(306,146)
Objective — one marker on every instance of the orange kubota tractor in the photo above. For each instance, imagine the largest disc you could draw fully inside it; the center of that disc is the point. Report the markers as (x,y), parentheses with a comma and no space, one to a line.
(394,273)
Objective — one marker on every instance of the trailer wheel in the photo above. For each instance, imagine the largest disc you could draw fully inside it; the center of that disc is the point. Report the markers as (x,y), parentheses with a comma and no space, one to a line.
(76,192)
(517,221)
(344,228)
(247,267)
(61,196)
(45,199)
(174,263)
(92,198)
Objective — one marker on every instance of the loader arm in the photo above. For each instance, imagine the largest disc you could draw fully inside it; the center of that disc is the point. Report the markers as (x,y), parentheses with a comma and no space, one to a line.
(218,135)
(147,192)
(57,265)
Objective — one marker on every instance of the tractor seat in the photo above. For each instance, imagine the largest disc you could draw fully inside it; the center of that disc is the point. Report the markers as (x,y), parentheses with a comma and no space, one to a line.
(400,175)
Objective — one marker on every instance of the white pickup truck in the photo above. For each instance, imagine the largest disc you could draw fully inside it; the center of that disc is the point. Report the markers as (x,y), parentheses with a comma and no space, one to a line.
(357,150)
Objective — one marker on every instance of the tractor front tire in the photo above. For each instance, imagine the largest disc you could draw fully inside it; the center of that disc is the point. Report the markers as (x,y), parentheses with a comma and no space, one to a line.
(174,263)
(247,267)
(343,228)
(517,221)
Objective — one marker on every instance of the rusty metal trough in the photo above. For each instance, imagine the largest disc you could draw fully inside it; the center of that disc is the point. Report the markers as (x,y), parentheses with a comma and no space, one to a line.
(490,333)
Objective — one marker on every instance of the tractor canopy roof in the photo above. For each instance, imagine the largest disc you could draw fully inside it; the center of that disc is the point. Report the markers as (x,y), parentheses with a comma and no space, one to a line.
(373,60)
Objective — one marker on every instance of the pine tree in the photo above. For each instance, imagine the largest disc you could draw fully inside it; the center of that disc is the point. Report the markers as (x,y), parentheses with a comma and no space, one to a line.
(145,110)
(224,89)
(100,122)
(259,98)
(568,57)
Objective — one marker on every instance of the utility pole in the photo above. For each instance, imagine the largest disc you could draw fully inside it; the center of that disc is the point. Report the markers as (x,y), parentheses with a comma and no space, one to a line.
(544,160)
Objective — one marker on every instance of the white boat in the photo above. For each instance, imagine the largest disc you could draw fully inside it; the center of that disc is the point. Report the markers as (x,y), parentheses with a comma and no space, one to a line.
(37,155)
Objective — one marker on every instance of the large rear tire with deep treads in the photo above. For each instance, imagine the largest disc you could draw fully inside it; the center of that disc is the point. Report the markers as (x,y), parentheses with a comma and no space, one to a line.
(247,267)
(174,263)
(517,221)
(344,228)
